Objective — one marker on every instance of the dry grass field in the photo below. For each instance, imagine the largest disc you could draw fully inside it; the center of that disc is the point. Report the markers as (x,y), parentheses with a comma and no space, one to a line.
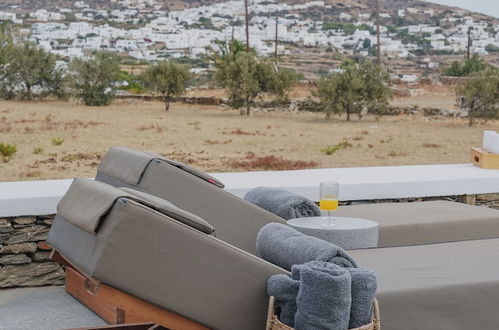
(58,139)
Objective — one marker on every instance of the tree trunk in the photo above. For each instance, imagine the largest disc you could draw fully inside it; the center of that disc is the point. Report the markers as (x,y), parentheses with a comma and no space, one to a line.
(28,91)
(348,115)
(470,114)
(247,106)
(167,102)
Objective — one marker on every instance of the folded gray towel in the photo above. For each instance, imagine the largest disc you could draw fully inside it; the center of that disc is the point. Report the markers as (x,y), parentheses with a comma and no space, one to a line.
(324,298)
(284,246)
(363,293)
(284,203)
(284,289)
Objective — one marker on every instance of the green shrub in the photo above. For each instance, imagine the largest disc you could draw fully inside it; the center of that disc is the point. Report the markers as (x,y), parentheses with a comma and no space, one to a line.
(7,151)
(57,141)
(470,66)
(328,150)
(37,150)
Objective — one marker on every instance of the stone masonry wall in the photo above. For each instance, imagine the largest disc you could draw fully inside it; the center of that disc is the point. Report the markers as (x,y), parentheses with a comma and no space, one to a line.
(485,200)
(24,255)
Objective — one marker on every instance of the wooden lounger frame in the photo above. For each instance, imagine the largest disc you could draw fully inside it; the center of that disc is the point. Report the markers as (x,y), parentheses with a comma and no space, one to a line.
(115,306)
(128,326)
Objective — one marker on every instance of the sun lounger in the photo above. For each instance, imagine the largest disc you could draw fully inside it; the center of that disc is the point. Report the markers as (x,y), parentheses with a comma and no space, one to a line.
(238,221)
(130,243)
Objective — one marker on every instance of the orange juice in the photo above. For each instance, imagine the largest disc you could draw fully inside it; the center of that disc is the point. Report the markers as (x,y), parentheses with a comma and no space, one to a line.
(328,204)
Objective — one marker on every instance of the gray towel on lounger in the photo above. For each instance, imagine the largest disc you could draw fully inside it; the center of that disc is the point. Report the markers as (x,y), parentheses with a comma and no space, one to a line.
(283,203)
(324,298)
(364,287)
(363,292)
(284,246)
(284,289)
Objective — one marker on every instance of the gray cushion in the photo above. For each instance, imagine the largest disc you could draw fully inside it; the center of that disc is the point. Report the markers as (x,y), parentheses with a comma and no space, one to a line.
(132,164)
(446,286)
(87,202)
(402,224)
(171,210)
(128,166)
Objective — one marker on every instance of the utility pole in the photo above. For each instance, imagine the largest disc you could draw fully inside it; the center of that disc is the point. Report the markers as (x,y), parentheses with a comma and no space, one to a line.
(378,42)
(276,34)
(247,24)
(468,47)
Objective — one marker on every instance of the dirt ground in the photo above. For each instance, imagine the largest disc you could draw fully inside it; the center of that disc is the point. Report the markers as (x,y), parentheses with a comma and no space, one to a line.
(217,139)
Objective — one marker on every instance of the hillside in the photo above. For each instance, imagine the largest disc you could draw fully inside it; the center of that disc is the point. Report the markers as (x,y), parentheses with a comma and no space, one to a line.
(27,6)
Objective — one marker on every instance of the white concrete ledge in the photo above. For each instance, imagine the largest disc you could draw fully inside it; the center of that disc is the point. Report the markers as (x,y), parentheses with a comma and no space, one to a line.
(31,197)
(357,183)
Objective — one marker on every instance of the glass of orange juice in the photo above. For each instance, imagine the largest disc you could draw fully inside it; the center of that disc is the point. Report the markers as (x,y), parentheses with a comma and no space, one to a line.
(329,199)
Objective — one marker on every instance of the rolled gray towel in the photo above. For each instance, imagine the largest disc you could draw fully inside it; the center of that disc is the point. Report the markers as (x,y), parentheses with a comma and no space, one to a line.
(285,204)
(284,246)
(324,299)
(284,289)
(363,293)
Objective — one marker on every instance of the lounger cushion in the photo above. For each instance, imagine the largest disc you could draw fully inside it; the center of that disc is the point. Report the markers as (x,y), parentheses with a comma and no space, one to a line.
(402,224)
(237,221)
(183,270)
(87,202)
(447,286)
(81,248)
(132,164)
(172,211)
(128,166)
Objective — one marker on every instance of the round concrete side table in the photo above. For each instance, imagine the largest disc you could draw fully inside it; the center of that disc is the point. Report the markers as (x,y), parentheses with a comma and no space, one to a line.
(348,233)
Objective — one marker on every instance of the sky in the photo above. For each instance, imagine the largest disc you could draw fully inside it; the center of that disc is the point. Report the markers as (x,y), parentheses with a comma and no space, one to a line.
(489,7)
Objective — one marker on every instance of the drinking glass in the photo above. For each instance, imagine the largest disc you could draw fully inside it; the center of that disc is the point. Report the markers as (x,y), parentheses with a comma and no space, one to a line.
(329,199)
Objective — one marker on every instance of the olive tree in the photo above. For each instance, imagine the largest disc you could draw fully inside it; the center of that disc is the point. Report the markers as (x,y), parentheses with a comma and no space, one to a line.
(246,77)
(32,72)
(354,89)
(167,78)
(470,66)
(480,94)
(376,91)
(6,45)
(93,81)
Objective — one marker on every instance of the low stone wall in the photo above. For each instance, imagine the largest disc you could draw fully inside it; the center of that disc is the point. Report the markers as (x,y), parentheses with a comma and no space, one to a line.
(24,255)
(485,200)
(200,100)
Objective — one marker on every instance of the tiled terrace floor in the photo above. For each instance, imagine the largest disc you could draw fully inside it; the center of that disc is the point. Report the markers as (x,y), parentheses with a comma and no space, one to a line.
(45,308)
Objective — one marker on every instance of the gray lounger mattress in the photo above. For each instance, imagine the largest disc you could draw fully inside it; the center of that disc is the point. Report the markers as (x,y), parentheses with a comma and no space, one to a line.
(403,224)
(447,286)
